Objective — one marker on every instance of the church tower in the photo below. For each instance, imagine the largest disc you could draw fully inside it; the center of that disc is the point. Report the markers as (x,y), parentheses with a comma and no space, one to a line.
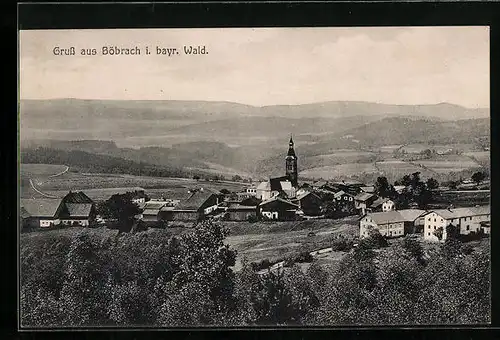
(291,164)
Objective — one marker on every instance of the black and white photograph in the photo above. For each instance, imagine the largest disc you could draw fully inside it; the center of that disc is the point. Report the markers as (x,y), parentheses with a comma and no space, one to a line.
(254,177)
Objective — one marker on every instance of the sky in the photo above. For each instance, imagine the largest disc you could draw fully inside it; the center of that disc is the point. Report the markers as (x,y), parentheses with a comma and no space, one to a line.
(264,66)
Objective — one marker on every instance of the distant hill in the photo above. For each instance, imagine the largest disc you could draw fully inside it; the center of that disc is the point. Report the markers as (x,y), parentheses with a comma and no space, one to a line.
(397,130)
(166,122)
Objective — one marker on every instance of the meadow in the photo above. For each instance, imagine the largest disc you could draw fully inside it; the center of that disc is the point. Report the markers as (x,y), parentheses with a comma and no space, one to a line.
(448,163)
(339,171)
(102,186)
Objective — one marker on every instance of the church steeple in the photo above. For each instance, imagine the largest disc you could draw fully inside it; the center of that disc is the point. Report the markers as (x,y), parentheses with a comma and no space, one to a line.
(291,163)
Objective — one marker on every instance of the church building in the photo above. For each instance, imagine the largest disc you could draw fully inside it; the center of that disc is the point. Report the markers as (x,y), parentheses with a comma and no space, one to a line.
(284,186)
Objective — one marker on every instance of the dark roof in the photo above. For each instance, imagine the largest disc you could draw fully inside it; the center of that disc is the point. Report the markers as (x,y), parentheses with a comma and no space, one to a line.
(364,196)
(195,200)
(78,209)
(291,151)
(76,197)
(41,207)
(279,199)
(379,201)
(276,182)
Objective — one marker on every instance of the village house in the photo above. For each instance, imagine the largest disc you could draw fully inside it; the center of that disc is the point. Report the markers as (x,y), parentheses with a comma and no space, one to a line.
(309,203)
(391,223)
(277,208)
(201,203)
(362,201)
(152,211)
(40,213)
(381,204)
(388,205)
(252,190)
(238,212)
(75,208)
(466,219)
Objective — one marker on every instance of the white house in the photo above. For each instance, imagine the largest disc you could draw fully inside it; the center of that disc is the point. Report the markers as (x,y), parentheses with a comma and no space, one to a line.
(251,191)
(388,223)
(388,205)
(392,223)
(467,219)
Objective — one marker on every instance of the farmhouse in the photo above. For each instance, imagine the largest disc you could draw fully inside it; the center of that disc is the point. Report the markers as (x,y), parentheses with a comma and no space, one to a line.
(238,212)
(77,214)
(277,208)
(197,206)
(40,213)
(75,208)
(363,200)
(466,219)
(309,203)
(381,204)
(391,223)
(152,211)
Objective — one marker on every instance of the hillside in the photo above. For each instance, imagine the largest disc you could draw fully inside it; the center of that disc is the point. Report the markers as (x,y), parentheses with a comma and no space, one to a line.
(166,122)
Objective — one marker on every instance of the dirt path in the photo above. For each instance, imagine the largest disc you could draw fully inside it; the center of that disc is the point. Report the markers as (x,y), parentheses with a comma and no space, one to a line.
(41,182)
(39,192)
(60,173)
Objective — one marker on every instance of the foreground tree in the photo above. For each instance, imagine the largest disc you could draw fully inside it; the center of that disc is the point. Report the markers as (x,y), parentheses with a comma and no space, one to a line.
(202,290)
(120,207)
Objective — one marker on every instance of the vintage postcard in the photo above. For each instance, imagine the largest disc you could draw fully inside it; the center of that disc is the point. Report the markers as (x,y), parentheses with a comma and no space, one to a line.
(251,177)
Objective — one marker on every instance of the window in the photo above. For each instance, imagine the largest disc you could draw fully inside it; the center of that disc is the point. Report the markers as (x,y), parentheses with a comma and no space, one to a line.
(428,234)
(434,219)
(441,220)
(467,228)
(434,227)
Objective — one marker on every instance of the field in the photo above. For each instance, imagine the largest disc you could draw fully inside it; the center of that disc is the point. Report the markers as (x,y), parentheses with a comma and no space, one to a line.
(40,170)
(419,147)
(341,170)
(449,163)
(482,157)
(277,240)
(38,173)
(102,186)
(397,168)
(340,157)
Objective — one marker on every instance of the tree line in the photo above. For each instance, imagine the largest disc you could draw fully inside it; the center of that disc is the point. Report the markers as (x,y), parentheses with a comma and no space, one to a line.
(97,163)
(153,278)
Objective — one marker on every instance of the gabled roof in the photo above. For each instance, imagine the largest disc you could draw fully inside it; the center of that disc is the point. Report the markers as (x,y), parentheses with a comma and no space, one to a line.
(279,199)
(264,186)
(305,194)
(364,196)
(155,205)
(410,215)
(195,201)
(386,217)
(341,193)
(78,209)
(461,212)
(76,197)
(368,189)
(379,201)
(41,207)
